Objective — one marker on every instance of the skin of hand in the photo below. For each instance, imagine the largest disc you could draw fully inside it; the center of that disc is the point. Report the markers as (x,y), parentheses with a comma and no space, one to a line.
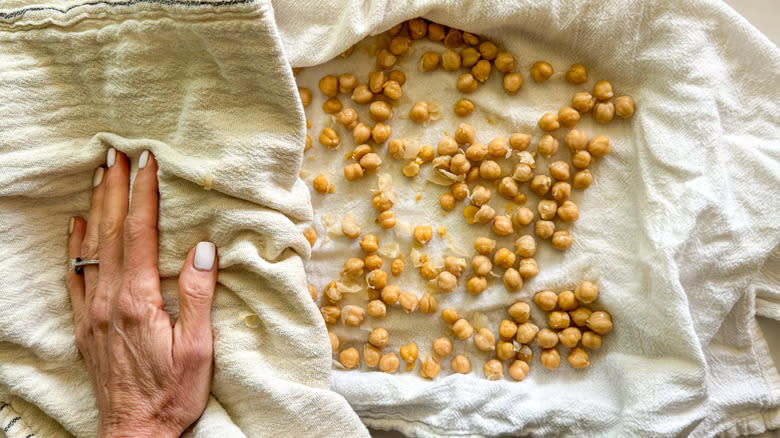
(151,375)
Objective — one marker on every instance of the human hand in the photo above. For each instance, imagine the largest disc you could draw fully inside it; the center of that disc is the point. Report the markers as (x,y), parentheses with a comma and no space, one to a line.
(151,375)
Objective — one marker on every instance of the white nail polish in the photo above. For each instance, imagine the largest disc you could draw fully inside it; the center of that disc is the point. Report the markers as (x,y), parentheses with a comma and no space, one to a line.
(98,177)
(204,256)
(143,159)
(111,157)
(70,225)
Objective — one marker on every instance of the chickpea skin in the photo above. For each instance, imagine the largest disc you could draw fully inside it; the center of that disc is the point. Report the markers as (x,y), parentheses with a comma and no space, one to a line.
(467,83)
(462,329)
(442,346)
(408,301)
(541,71)
(546,338)
(461,364)
(493,369)
(591,340)
(518,370)
(349,358)
(526,332)
(570,337)
(547,146)
(577,74)
(578,358)
(463,107)
(449,315)
(389,363)
(519,312)
(513,281)
(422,234)
(550,359)
(625,107)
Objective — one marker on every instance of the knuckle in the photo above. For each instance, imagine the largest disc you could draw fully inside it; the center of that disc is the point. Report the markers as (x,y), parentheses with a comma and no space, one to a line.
(110,229)
(136,228)
(198,292)
(99,315)
(200,351)
(89,248)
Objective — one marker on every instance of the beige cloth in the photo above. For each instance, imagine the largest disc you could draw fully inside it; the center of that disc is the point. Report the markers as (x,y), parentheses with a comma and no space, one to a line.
(205,87)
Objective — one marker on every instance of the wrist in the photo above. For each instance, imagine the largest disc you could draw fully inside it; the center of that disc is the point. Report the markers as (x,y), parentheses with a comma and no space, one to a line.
(147,430)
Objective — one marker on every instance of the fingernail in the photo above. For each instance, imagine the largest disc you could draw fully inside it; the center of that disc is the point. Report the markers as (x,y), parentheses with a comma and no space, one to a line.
(143,159)
(204,256)
(98,177)
(70,225)
(111,157)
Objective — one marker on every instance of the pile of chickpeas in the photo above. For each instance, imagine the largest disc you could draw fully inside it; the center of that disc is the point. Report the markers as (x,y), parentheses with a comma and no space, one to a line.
(474,172)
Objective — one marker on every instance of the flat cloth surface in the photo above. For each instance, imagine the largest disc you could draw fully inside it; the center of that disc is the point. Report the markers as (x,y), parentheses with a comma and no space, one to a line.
(678,229)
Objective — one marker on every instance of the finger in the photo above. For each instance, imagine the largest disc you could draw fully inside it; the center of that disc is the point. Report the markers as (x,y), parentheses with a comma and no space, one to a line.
(89,246)
(112,220)
(73,281)
(141,225)
(197,281)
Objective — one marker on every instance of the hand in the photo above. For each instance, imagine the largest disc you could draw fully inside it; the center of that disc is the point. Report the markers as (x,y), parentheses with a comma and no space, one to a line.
(151,375)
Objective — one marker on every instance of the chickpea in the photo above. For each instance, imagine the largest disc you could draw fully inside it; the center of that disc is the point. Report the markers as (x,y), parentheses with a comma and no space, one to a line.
(360,151)
(369,243)
(362,94)
(481,265)
(550,359)
(332,105)
(546,300)
(436,32)
(332,293)
(463,107)
(513,281)
(460,190)
(376,279)
(544,229)
(334,342)
(397,267)
(504,258)
(442,346)
(353,268)
(469,56)
(582,179)
(518,370)
(426,153)
(560,191)
(459,164)
(598,146)
(349,227)
(380,111)
(313,292)
(504,62)
(488,50)
(581,159)
(331,314)
(376,80)
(576,140)
(507,330)
(450,60)
(541,71)
(385,60)
(525,246)
(568,116)
(392,90)
(476,153)
(381,203)
(428,271)
(453,39)
(547,209)
(349,358)
(558,320)
(586,292)
(428,304)
(502,226)
(408,301)
(373,261)
(512,83)
(422,234)
(567,301)
(454,265)
(462,329)
(480,196)
(461,364)
(591,340)
(361,133)
(409,355)
(476,285)
(481,70)
(579,316)
(411,169)
(329,138)
(583,102)
(493,369)
(389,363)
(465,134)
(353,315)
(508,187)
(549,122)
(370,162)
(546,338)
(442,162)
(547,146)
(570,337)
(419,112)
(470,39)
(321,184)
(329,85)
(376,309)
(600,322)
(308,143)
(429,61)
(378,337)
(390,294)
(371,355)
(526,332)
(522,217)
(578,358)
(625,107)
(467,83)
(449,315)
(519,312)
(417,28)
(489,170)
(528,268)
(519,141)
(568,211)
(577,74)
(399,45)
(541,184)
(447,201)
(446,282)
(505,350)
(603,112)
(484,245)
(485,214)
(485,340)
(386,219)
(311,236)
(347,83)
(603,91)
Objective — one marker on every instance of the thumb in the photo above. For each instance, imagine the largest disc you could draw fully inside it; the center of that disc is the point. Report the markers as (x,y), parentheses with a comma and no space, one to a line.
(197,281)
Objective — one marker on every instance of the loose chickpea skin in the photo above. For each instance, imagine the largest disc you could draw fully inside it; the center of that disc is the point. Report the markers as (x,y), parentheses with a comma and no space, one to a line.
(540,184)
(386,219)
(349,358)
(320,183)
(541,71)
(390,294)
(467,83)
(446,282)
(604,112)
(546,300)
(449,315)
(522,216)
(625,107)
(502,226)
(547,146)
(469,56)
(547,209)
(600,322)
(579,316)
(578,358)
(568,116)
(462,329)
(329,85)
(560,191)
(329,138)
(409,355)
(461,364)
(546,338)
(371,355)
(376,309)
(570,337)
(577,74)
(428,304)
(582,179)
(568,211)
(544,229)
(485,340)
(442,346)
(408,301)
(550,359)
(602,91)
(489,170)
(332,105)
(558,320)
(591,340)
(519,312)
(549,122)
(429,61)
(397,267)
(504,258)
(463,107)
(493,369)
(513,281)
(362,94)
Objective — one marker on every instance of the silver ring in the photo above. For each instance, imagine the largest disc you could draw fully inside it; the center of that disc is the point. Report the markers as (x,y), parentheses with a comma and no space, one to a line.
(77,265)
